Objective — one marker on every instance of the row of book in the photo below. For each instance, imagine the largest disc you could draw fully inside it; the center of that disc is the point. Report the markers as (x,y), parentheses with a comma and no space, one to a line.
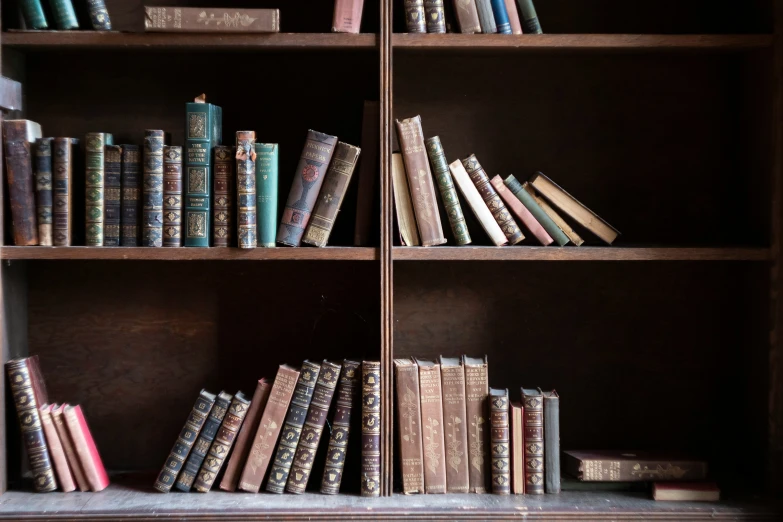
(491,200)
(474,16)
(60,449)
(271,441)
(61,14)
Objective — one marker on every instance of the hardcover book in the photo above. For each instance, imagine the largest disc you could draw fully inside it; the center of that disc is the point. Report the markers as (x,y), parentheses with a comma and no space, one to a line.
(415,18)
(513,16)
(152,206)
(409,425)
(432,427)
(455,425)
(632,466)
(501,16)
(556,218)
(33,14)
(533,402)
(486,18)
(347,16)
(499,439)
(210,20)
(447,191)
(64,15)
(492,199)
(476,394)
(43,189)
(99,15)
(223,206)
(63,189)
(538,213)
(130,205)
(172,196)
(86,449)
(530,23)
(95,184)
(347,393)
(17,137)
(467,15)
(370,484)
(267,166)
(476,203)
(246,189)
(686,491)
(406,222)
(551,441)
(436,19)
(112,195)
(516,411)
(70,451)
(368,173)
(522,213)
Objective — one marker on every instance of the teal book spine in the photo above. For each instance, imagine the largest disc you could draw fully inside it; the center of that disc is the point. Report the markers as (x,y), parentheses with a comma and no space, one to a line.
(64,14)
(203,128)
(267,162)
(550,226)
(530,23)
(33,14)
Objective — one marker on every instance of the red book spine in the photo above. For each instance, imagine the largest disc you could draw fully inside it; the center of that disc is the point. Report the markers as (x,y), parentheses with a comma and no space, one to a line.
(521,211)
(86,448)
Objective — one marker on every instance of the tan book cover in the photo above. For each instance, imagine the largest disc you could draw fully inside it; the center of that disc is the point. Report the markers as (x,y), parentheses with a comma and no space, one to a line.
(408,401)
(432,426)
(452,375)
(517,449)
(476,393)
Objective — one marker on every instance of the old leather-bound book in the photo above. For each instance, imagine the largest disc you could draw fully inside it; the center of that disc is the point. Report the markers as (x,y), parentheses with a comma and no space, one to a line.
(486,18)
(467,16)
(455,425)
(492,199)
(18,135)
(172,196)
(513,16)
(409,425)
(268,429)
(246,189)
(632,466)
(433,13)
(529,202)
(347,393)
(62,165)
(556,218)
(221,445)
(415,18)
(370,483)
(179,453)
(86,450)
(313,427)
(530,23)
(223,206)
(500,441)
(432,426)
(152,208)
(368,173)
(43,189)
(33,14)
(210,20)
(347,16)
(403,207)
(99,15)
(476,393)
(551,441)
(315,158)
(417,168)
(112,195)
(477,204)
(501,16)
(533,402)
(440,169)
(338,176)
(64,15)
(267,167)
(245,437)
(519,210)
(95,185)
(516,423)
(292,430)
(56,450)
(130,204)
(70,451)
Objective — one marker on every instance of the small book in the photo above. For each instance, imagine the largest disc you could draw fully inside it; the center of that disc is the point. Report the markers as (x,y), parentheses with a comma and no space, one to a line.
(513,17)
(477,204)
(530,202)
(43,189)
(112,195)
(551,441)
(432,426)
(152,201)
(406,222)
(408,402)
(686,491)
(69,449)
(99,15)
(18,137)
(467,16)
(632,466)
(517,423)
(448,193)
(501,16)
(62,165)
(368,172)
(500,441)
(415,19)
(56,450)
(519,210)
(455,424)
(435,16)
(223,217)
(347,16)
(476,394)
(532,401)
(486,18)
(86,449)
(530,23)
(130,204)
(267,171)
(210,20)
(172,196)
(370,482)
(493,201)
(246,189)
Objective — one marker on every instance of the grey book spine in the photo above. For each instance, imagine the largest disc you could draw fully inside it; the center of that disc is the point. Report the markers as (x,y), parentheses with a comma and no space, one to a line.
(486,18)
(551,442)
(527,200)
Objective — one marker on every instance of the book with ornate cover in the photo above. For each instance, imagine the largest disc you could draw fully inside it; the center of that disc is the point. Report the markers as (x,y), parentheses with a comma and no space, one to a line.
(368,173)
(417,168)
(486,18)
(403,207)
(21,377)
(533,403)
(152,201)
(112,195)
(440,168)
(529,202)
(530,23)
(185,440)
(210,20)
(245,436)
(62,166)
(267,167)
(524,215)
(556,218)
(43,189)
(99,15)
(292,430)
(223,206)
(315,158)
(455,425)
(338,176)
(221,445)
(33,14)
(246,189)
(347,392)
(313,427)
(500,441)
(433,13)
(95,184)
(632,466)
(18,135)
(467,16)
(476,393)
(492,199)
(476,203)
(64,15)
(70,451)
(513,17)
(415,18)
(408,404)
(268,429)
(347,16)
(551,441)
(86,450)
(130,204)
(172,196)
(370,484)
(205,437)
(432,426)
(516,422)
(501,16)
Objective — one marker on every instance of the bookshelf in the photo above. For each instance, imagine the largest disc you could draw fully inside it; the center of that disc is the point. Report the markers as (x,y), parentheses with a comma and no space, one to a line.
(667,126)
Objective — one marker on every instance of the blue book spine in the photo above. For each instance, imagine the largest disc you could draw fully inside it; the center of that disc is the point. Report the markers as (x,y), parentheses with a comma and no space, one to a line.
(64,14)
(501,16)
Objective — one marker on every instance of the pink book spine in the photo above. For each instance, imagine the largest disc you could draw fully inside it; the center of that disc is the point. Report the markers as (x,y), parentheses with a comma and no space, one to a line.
(86,449)
(64,475)
(347,16)
(70,452)
(521,212)
(513,17)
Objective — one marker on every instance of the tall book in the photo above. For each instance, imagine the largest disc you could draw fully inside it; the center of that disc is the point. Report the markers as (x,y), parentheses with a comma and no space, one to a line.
(529,202)
(425,206)
(338,176)
(223,206)
(368,173)
(476,393)
(432,426)
(210,20)
(415,18)
(632,466)
(486,18)
(501,16)
(408,400)
(347,392)
(448,193)
(520,211)
(43,189)
(500,441)
(492,199)
(551,441)
(86,449)
(315,158)
(533,402)
(403,207)
(130,204)
(347,16)
(99,15)
(267,168)
(246,189)
(172,196)
(292,430)
(556,218)
(18,135)
(455,425)
(70,450)
(370,483)
(33,14)
(63,150)
(313,427)
(435,16)
(268,429)
(513,17)
(185,440)
(112,197)
(516,423)
(152,208)
(530,23)
(95,184)
(477,204)
(64,15)
(467,16)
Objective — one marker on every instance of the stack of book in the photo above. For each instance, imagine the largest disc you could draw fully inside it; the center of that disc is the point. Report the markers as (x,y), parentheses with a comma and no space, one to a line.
(473,16)
(61,15)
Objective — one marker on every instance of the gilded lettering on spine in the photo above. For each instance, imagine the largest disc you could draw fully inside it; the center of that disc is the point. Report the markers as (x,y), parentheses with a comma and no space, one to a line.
(152,214)
(172,196)
(246,189)
(492,199)
(440,169)
(94,185)
(341,427)
(415,18)
(371,429)
(222,230)
(43,189)
(62,166)
(501,468)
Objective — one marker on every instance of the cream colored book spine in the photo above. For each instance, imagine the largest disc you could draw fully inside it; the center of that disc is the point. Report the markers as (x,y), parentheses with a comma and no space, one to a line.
(403,204)
(477,204)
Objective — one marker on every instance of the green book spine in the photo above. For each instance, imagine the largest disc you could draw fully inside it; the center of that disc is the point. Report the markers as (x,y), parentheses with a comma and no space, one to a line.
(550,226)
(267,162)
(530,23)
(64,14)
(440,169)
(203,126)
(94,186)
(33,14)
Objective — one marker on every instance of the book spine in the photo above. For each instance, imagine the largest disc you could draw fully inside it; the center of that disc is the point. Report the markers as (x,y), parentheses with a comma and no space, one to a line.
(313,427)
(87,451)
(455,428)
(338,176)
(347,16)
(467,16)
(95,184)
(368,171)
(558,220)
(409,421)
(201,447)
(33,14)
(513,16)
(64,14)
(221,446)
(62,165)
(267,164)
(403,207)
(43,189)
(370,482)
(432,429)
(181,449)
(21,184)
(70,452)
(538,213)
(534,444)
(246,189)
(551,443)
(200,126)
(501,16)
(476,393)
(347,392)
(223,206)
(99,15)
(486,18)
(172,196)
(521,211)
(20,380)
(152,212)
(433,13)
(517,449)
(492,199)
(112,195)
(499,438)
(415,16)
(530,23)
(215,20)
(440,169)
(316,155)
(130,206)
(477,204)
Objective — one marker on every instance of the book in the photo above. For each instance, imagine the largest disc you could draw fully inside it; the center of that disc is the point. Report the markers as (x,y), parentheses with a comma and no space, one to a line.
(172,196)
(347,16)
(632,466)
(347,393)
(246,189)
(18,135)
(86,450)
(517,423)
(455,424)
(529,202)
(492,200)
(187,436)
(432,426)
(686,491)
(223,206)
(33,14)
(210,20)
(70,451)
(476,203)
(476,394)
(62,165)
(338,177)
(513,17)
(440,168)
(112,197)
(415,19)
(530,23)
(486,18)
(205,437)
(244,437)
(551,441)
(433,13)
(467,16)
(95,184)
(43,190)
(152,200)
(408,404)
(99,15)
(561,223)
(292,430)
(64,15)
(267,167)
(406,222)
(501,16)
(572,207)
(268,429)
(370,483)
(130,204)
(368,173)
(313,427)
(522,213)
(532,401)
(499,441)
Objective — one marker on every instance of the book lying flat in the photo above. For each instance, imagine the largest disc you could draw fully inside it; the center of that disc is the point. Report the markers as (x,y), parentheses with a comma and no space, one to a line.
(686,491)
(632,466)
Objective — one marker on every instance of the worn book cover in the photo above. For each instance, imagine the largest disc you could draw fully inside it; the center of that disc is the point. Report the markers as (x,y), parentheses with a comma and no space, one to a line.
(370,483)
(112,195)
(448,193)
(632,466)
(530,23)
(95,184)
(435,16)
(210,20)
(347,393)
(172,196)
(223,208)
(152,201)
(43,189)
(415,18)
(403,207)
(347,16)
(476,397)
(86,449)
(408,402)
(486,18)
(551,441)
(500,441)
(246,189)
(18,135)
(130,204)
(529,202)
(99,15)
(556,218)
(493,201)
(533,402)
(522,213)
(432,426)
(70,451)
(62,165)
(455,424)
(467,16)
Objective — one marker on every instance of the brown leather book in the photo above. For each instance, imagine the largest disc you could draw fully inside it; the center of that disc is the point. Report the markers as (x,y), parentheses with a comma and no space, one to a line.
(409,425)
(130,206)
(632,466)
(17,138)
(500,441)
(476,393)
(112,194)
(492,199)
(522,213)
(422,186)
(347,16)
(223,209)
(455,425)
(70,451)
(210,20)
(517,448)
(370,483)
(246,189)
(347,392)
(368,173)
(62,172)
(432,426)
(56,450)
(269,429)
(244,438)
(172,196)
(43,189)
(467,16)
(533,402)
